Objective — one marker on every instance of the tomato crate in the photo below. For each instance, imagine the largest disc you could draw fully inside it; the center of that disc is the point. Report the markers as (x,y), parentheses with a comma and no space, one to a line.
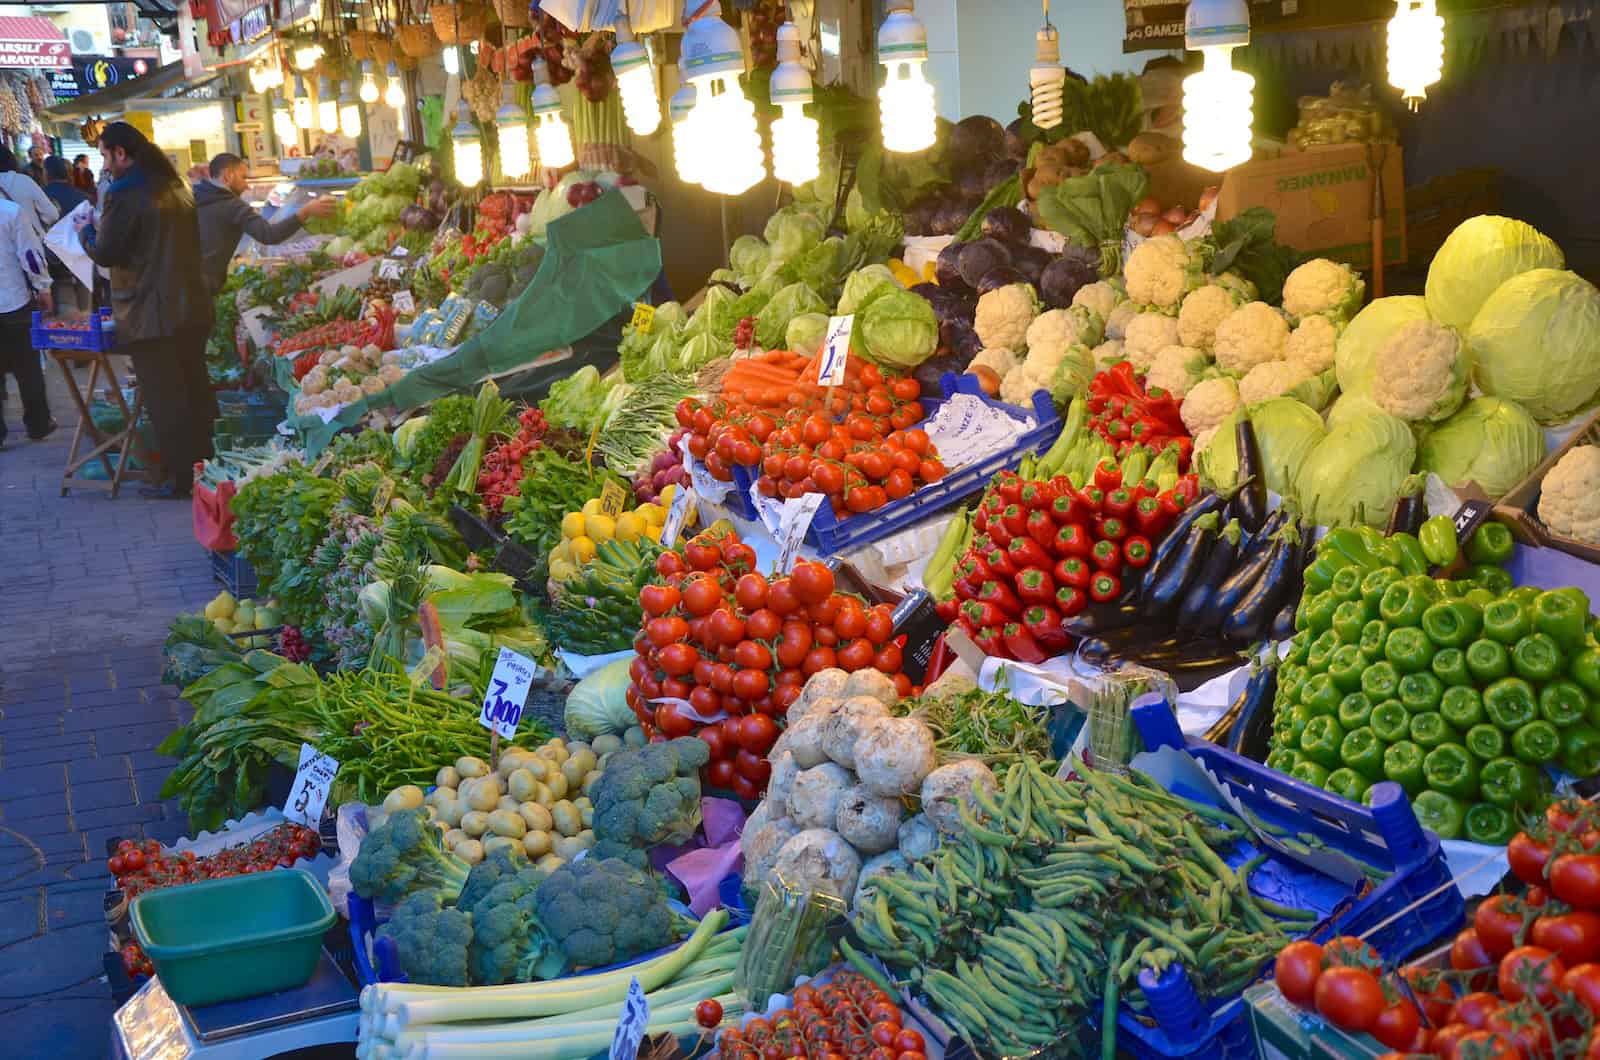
(1414,906)
(832,536)
(100,334)
(234,573)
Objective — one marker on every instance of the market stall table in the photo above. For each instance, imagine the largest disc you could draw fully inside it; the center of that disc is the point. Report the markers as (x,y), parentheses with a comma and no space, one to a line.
(92,346)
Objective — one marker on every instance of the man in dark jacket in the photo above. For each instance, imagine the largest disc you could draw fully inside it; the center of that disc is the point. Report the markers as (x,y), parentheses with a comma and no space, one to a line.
(224,217)
(68,292)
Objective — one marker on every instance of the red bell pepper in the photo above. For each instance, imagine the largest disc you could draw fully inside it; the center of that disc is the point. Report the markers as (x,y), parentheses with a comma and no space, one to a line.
(1107,475)
(1035,586)
(998,534)
(1072,571)
(1105,556)
(980,520)
(1015,520)
(992,643)
(1025,552)
(982,614)
(1000,595)
(1021,645)
(1041,528)
(1110,528)
(1094,498)
(948,610)
(1072,540)
(1009,486)
(1105,587)
(981,544)
(1136,551)
(1000,565)
(1062,484)
(967,624)
(1172,505)
(1070,599)
(1068,507)
(1188,488)
(1119,503)
(1035,495)
(1044,622)
(1149,518)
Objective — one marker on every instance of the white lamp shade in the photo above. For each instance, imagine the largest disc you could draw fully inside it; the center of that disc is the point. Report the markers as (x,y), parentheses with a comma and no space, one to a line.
(724,116)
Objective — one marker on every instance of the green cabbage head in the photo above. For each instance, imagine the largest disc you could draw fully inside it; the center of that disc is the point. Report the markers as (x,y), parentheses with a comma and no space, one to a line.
(863,285)
(1482,253)
(749,257)
(1286,432)
(806,333)
(772,323)
(1352,407)
(1353,474)
(1357,351)
(792,231)
(896,330)
(1490,441)
(1536,341)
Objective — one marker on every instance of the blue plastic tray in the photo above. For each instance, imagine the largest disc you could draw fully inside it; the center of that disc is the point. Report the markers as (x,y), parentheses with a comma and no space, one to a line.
(101,334)
(1385,836)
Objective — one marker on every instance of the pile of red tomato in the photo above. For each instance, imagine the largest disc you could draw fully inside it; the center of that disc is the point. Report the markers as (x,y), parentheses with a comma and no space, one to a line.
(723,651)
(144,866)
(860,447)
(848,1018)
(1524,978)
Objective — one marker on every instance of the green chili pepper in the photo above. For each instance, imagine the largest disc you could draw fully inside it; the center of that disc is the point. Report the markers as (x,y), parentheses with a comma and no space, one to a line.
(1374,584)
(1485,741)
(1438,540)
(1390,722)
(1491,543)
(1402,763)
(1346,667)
(1510,703)
(1348,618)
(1310,772)
(1362,751)
(1347,584)
(1580,750)
(1536,658)
(1440,814)
(1320,742)
(1354,711)
(1481,598)
(1585,670)
(1488,823)
(1380,681)
(1452,623)
(1412,559)
(1350,544)
(1509,783)
(1462,707)
(1320,696)
(1430,730)
(1450,666)
(1563,703)
(1373,636)
(1348,784)
(1408,649)
(1322,650)
(1563,615)
(1487,661)
(1450,768)
(1421,692)
(1536,743)
(1319,611)
(1506,621)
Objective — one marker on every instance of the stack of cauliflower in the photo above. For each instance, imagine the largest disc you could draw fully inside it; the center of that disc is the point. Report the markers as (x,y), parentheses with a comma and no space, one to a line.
(834,815)
(347,374)
(1030,349)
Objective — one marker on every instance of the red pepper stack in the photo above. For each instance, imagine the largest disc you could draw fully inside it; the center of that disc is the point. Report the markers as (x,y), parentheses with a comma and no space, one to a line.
(1125,414)
(1044,550)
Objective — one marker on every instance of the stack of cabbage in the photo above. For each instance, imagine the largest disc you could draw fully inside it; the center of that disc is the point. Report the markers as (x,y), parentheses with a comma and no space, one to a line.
(372,209)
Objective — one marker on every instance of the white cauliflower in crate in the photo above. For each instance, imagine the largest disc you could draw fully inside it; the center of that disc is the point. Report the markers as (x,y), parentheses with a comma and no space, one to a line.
(1323,287)
(1107,354)
(1117,322)
(1270,379)
(1177,369)
(1148,334)
(1208,404)
(1064,372)
(1569,497)
(1203,309)
(1250,335)
(998,359)
(1421,372)
(1311,345)
(1101,296)
(1161,270)
(1003,316)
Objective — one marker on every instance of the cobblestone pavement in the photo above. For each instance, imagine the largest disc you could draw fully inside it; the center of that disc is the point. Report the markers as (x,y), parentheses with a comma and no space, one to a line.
(87,587)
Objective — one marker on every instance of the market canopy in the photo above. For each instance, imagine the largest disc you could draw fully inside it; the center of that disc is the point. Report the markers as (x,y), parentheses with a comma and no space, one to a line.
(120,95)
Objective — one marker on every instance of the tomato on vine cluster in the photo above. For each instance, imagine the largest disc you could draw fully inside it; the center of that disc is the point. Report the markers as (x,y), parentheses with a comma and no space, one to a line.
(846,1019)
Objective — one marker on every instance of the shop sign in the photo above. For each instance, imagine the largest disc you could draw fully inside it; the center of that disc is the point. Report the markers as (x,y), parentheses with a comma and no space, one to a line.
(253,24)
(92,73)
(28,54)
(1157,25)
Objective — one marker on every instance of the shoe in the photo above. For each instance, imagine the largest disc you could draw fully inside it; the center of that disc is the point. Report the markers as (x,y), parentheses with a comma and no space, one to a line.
(163,492)
(47,432)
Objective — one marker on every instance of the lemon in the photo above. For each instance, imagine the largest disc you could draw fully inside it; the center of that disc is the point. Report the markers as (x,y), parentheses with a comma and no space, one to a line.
(665,499)
(630,525)
(653,514)
(583,549)
(599,527)
(561,570)
(562,551)
(653,533)
(572,525)
(591,506)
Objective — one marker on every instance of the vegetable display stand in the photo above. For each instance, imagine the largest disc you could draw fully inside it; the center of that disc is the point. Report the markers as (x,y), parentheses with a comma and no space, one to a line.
(113,449)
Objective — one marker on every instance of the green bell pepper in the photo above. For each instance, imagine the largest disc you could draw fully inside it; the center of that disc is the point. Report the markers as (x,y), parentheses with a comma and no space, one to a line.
(1485,741)
(1452,589)
(1290,677)
(1320,696)
(1506,621)
(1430,730)
(1510,703)
(1412,559)
(1402,763)
(1487,661)
(1373,637)
(1380,681)
(1347,584)
(1493,579)
(1346,667)
(1318,611)
(1536,743)
(1299,648)
(1580,751)
(1409,649)
(1562,614)
(1537,658)
(1374,584)
(1320,742)
(1491,543)
(1585,669)
(1438,540)
(1283,760)
(1362,751)
(1387,551)
(1420,693)
(1351,545)
(1462,707)
(1322,650)
(1525,596)
(1298,718)
(1310,772)
(1452,623)
(1320,574)
(1509,783)
(1491,824)
(1404,602)
(1354,711)
(1348,784)
(1480,597)
(1450,666)
(1440,814)
(1390,721)
(1449,768)
(1563,703)
(1348,618)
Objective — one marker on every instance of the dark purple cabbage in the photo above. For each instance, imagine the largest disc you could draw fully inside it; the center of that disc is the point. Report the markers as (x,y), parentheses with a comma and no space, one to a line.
(973,186)
(1031,261)
(949,217)
(1000,276)
(931,371)
(950,332)
(967,345)
(947,267)
(931,291)
(1061,279)
(980,256)
(1007,224)
(1016,146)
(973,142)
(998,172)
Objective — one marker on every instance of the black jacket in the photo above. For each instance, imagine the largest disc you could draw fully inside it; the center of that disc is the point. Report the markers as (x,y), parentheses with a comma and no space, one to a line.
(150,240)
(224,217)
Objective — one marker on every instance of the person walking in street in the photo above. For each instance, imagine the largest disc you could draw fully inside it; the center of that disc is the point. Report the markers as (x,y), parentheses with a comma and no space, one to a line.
(83,177)
(36,165)
(19,188)
(224,217)
(24,283)
(66,289)
(148,234)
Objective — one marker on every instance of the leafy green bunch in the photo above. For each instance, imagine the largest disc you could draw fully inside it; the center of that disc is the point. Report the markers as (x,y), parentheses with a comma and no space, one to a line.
(280,521)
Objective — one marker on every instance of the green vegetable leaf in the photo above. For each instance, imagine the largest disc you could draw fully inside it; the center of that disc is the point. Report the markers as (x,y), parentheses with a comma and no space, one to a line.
(1247,245)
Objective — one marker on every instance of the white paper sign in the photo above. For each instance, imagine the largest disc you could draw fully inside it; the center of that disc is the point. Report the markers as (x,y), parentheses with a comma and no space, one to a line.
(404,303)
(965,430)
(507,694)
(630,1028)
(792,526)
(835,348)
(672,525)
(312,782)
(389,269)
(399,252)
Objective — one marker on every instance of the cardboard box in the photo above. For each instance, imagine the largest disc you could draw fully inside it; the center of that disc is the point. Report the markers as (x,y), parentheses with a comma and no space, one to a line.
(1322,197)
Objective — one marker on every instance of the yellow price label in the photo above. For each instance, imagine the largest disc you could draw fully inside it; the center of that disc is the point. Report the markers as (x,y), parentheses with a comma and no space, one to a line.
(612,498)
(644,316)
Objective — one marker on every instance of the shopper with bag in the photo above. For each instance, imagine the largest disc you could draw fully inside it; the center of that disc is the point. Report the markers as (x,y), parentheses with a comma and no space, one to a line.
(147,234)
(68,292)
(224,217)
(24,282)
(21,189)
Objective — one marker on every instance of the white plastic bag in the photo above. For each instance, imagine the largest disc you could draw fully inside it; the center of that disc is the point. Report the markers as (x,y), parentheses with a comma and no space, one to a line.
(63,242)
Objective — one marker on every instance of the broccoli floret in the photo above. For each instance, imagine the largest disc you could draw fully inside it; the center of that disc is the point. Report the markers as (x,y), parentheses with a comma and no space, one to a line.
(648,797)
(499,863)
(430,940)
(405,854)
(602,910)
(509,941)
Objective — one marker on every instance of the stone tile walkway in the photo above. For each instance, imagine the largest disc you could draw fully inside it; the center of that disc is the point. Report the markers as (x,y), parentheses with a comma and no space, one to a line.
(87,587)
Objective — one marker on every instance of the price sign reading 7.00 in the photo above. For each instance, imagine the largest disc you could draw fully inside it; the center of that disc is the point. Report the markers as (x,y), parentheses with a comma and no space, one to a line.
(507,694)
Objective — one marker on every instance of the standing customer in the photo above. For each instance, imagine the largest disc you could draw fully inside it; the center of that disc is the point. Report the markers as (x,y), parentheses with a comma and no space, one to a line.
(148,235)
(224,217)
(83,177)
(24,281)
(65,287)
(20,189)
(36,165)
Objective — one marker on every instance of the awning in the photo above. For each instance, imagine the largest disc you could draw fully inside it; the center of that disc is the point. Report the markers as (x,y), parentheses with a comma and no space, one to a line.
(30,42)
(119,95)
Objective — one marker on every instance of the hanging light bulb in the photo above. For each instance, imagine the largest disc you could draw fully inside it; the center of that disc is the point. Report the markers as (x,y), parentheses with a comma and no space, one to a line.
(552,134)
(511,131)
(1217,101)
(369,84)
(905,102)
(301,107)
(306,55)
(794,136)
(349,113)
(685,152)
(257,77)
(1416,49)
(636,83)
(468,148)
(327,107)
(1047,80)
(722,114)
(451,58)
(395,93)
(283,126)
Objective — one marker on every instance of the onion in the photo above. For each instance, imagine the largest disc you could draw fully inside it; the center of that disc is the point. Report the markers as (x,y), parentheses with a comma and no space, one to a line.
(659,480)
(676,475)
(1145,223)
(1148,204)
(1163,227)
(662,461)
(1177,215)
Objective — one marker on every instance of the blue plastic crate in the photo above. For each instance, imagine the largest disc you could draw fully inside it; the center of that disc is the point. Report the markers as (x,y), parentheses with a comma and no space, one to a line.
(1385,836)
(832,536)
(101,334)
(234,573)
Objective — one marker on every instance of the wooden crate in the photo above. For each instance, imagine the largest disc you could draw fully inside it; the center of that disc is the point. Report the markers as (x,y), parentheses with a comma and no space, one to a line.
(1523,498)
(1434,209)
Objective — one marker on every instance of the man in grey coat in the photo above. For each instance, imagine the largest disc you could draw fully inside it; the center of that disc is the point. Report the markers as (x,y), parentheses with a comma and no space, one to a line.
(224,217)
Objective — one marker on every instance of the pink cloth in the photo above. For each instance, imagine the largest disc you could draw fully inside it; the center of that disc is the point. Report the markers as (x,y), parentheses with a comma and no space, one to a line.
(702,867)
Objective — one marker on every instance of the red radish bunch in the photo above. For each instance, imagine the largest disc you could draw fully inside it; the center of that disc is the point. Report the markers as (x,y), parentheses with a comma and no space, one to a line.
(665,469)
(501,473)
(292,645)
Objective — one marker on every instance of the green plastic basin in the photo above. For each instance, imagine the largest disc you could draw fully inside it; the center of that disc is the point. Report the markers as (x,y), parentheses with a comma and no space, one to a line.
(219,940)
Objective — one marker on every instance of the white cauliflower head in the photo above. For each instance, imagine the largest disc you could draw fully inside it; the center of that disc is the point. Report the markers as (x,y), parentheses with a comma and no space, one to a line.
(998,359)
(1250,335)
(1161,270)
(1421,372)
(1117,322)
(1177,369)
(1270,379)
(1147,335)
(1099,296)
(1056,329)
(1569,497)
(1208,403)
(1203,309)
(1004,314)
(1311,344)
(1203,440)
(1107,354)
(1326,287)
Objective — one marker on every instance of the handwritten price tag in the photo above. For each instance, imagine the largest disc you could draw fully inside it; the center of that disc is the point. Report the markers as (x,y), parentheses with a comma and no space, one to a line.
(612,498)
(792,526)
(630,1028)
(312,782)
(507,694)
(389,269)
(404,303)
(672,525)
(835,348)
(644,316)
